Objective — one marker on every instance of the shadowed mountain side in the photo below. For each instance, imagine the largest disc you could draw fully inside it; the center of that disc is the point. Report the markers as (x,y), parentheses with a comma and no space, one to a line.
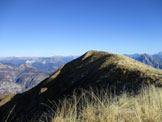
(94,69)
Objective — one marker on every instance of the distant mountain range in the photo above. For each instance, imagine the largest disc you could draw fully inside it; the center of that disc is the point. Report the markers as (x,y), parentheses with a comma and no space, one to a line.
(152,60)
(20,74)
(94,69)
(158,56)
(46,64)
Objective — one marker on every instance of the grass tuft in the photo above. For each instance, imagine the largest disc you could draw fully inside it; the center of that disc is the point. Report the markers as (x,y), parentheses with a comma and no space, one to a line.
(101,107)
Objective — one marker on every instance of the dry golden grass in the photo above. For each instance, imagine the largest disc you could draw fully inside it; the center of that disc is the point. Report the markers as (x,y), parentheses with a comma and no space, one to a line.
(5,98)
(89,107)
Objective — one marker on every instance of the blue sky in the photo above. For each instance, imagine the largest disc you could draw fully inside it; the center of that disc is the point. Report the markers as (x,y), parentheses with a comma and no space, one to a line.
(72,27)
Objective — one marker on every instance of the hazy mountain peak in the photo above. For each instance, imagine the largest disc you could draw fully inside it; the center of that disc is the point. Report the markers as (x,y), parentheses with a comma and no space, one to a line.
(153,61)
(160,53)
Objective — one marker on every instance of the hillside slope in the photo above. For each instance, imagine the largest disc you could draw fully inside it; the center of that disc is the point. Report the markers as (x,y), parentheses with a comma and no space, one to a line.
(16,79)
(93,69)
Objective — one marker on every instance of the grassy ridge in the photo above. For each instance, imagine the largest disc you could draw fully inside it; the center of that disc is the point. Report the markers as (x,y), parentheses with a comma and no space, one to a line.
(91,107)
(94,69)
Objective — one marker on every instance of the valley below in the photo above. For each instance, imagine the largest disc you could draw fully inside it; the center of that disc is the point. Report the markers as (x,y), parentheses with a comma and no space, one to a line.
(18,75)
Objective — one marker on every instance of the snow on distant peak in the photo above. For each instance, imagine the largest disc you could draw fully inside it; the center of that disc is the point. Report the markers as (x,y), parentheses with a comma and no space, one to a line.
(29,61)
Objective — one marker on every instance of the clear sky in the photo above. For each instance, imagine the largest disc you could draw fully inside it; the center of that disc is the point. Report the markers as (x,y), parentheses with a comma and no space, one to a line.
(72,27)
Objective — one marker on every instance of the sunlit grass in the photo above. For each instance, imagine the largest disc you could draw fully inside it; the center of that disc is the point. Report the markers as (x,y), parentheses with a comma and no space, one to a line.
(101,107)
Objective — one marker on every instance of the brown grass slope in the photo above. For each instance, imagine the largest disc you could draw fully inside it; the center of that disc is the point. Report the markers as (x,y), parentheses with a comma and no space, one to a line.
(93,69)
(143,107)
(5,98)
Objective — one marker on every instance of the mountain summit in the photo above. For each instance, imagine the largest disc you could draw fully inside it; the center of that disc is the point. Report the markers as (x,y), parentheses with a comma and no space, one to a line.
(94,69)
